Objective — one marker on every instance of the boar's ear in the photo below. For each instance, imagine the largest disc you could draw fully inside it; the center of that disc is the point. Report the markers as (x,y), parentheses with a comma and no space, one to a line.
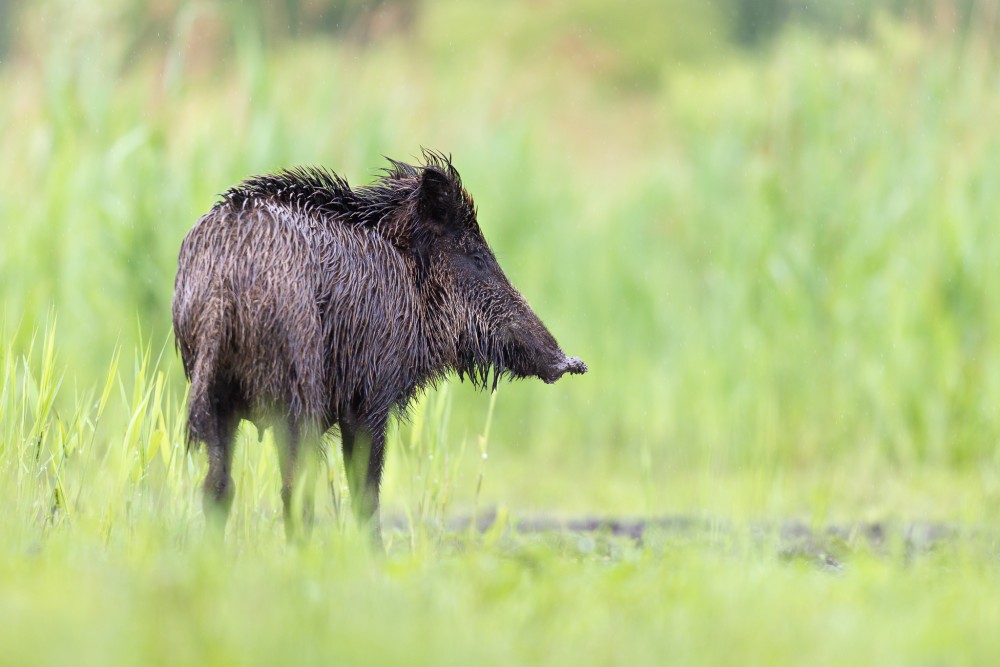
(439,201)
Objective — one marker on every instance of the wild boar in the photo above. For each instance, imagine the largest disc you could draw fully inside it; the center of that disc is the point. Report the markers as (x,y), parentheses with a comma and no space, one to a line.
(304,304)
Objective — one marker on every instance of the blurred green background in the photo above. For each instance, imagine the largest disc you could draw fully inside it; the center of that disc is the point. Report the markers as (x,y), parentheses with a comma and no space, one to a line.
(765,225)
(768,226)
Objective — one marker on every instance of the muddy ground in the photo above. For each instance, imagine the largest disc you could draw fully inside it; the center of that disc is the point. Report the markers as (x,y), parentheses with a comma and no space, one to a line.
(828,546)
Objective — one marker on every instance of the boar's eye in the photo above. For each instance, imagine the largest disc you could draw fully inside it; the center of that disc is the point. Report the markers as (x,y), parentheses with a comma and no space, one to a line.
(479,261)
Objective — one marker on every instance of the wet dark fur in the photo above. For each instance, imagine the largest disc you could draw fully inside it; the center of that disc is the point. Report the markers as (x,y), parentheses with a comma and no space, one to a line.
(303,303)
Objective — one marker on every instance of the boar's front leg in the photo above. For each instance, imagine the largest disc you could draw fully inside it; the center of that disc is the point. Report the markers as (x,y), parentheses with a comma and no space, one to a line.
(298,480)
(364,455)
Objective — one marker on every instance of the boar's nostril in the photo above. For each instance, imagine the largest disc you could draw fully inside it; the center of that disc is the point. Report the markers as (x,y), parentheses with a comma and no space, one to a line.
(576,365)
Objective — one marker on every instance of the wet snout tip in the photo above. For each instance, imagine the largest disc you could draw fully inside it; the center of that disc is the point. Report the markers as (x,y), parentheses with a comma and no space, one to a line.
(571,365)
(575,366)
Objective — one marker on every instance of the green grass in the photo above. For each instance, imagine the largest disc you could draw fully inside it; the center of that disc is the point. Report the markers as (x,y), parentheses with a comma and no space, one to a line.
(103,562)
(777,267)
(533,605)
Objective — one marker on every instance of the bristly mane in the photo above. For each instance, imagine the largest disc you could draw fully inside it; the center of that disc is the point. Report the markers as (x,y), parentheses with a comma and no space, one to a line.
(322,191)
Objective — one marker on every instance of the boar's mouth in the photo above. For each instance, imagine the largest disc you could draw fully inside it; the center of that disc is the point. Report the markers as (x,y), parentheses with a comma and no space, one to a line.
(548,365)
(514,358)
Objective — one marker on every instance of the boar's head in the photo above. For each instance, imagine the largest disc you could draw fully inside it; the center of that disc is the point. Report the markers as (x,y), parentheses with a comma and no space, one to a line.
(492,326)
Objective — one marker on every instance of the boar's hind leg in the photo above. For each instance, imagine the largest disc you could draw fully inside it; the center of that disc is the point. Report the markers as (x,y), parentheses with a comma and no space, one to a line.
(218,426)
(364,454)
(298,478)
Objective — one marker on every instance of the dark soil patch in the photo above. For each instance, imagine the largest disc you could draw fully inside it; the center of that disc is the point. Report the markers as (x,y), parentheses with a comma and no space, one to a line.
(826,545)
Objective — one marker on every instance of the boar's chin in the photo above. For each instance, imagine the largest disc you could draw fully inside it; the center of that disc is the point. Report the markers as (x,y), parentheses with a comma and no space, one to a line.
(482,370)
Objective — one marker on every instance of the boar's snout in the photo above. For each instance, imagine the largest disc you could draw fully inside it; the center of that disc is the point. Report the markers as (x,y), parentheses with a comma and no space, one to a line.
(535,351)
(572,365)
